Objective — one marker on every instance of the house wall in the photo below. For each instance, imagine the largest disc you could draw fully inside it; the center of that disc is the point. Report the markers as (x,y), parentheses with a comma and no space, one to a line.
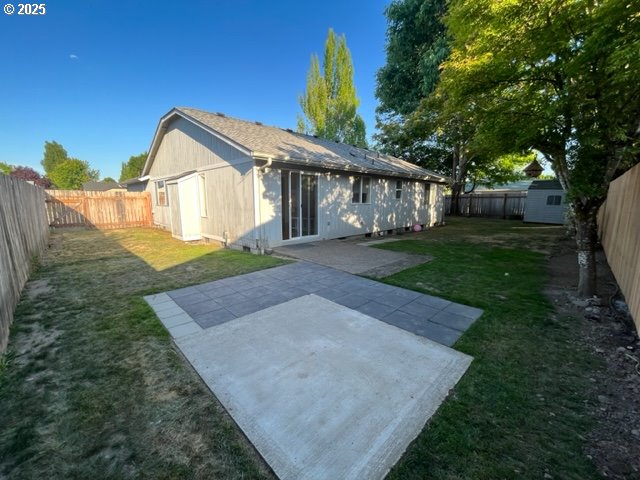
(186,147)
(230,207)
(338,217)
(537,211)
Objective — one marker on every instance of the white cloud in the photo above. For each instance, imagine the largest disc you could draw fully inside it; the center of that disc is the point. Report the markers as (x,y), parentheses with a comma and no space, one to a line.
(73,56)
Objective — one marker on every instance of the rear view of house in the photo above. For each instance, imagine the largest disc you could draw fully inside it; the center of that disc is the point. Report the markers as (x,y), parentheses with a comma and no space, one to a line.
(255,187)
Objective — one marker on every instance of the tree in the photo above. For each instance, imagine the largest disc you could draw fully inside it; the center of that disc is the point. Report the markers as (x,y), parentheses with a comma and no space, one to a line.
(330,102)
(72,173)
(133,167)
(417,44)
(108,180)
(5,168)
(414,123)
(28,174)
(54,154)
(557,76)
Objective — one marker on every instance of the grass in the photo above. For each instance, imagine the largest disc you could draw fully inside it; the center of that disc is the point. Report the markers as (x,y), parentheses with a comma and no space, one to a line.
(91,386)
(519,411)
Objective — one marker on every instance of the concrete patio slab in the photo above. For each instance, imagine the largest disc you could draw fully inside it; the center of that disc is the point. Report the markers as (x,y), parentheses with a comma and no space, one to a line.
(321,390)
(352,257)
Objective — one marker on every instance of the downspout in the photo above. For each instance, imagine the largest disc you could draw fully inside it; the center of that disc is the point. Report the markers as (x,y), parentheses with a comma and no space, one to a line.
(261,170)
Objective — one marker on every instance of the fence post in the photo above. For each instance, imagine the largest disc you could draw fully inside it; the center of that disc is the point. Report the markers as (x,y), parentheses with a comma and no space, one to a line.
(504,207)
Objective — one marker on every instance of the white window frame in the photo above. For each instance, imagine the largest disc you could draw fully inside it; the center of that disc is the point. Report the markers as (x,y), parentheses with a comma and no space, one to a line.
(399,186)
(553,198)
(161,187)
(361,181)
(427,193)
(202,188)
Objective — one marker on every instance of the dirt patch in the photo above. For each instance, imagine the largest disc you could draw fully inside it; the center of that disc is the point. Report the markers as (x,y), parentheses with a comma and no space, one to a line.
(614,443)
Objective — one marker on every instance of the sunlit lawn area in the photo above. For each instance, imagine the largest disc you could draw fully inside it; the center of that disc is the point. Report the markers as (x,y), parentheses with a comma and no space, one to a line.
(93,388)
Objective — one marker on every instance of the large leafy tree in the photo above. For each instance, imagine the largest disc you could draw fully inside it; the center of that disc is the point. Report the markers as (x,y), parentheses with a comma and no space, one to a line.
(557,76)
(54,154)
(28,174)
(72,173)
(413,122)
(132,168)
(330,102)
(417,44)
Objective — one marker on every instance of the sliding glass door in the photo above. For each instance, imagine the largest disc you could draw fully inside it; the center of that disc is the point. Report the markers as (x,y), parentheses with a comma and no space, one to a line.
(299,204)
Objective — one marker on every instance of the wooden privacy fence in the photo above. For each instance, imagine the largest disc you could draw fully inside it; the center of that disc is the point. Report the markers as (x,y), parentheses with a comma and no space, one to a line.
(77,208)
(24,232)
(619,226)
(499,205)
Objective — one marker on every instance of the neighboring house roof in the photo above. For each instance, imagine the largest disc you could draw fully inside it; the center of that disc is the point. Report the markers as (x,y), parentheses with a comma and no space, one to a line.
(521,185)
(132,181)
(100,186)
(284,145)
(545,185)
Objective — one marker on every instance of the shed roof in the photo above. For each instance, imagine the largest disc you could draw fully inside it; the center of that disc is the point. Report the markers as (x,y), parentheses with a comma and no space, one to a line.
(262,142)
(545,185)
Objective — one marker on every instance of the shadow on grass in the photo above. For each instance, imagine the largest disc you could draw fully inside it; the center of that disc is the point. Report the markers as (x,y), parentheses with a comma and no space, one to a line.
(93,387)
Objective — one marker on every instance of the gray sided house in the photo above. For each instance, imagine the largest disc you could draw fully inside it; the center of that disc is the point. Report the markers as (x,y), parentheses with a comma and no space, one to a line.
(256,187)
(546,203)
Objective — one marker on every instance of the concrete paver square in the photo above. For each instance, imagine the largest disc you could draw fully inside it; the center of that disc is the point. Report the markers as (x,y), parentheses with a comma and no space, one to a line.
(215,317)
(323,391)
(452,320)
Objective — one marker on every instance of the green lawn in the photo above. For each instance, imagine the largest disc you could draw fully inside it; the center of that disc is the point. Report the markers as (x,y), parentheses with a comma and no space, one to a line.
(519,411)
(92,387)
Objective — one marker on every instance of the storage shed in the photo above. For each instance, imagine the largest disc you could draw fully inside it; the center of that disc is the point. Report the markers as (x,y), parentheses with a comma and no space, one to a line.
(546,203)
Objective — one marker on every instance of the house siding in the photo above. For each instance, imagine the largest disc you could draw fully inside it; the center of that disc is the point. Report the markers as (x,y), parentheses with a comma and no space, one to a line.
(339,217)
(186,147)
(230,207)
(228,172)
(537,210)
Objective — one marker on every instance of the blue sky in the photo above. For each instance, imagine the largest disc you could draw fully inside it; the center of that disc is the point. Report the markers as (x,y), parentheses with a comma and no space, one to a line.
(97,75)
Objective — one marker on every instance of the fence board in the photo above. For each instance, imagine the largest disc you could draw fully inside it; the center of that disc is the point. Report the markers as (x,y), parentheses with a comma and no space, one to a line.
(104,210)
(619,227)
(24,232)
(500,205)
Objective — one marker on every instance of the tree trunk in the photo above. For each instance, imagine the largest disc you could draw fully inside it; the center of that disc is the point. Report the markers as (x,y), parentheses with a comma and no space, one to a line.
(455,198)
(586,240)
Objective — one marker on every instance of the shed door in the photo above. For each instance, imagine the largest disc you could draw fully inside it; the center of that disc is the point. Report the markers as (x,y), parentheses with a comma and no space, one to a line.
(174,207)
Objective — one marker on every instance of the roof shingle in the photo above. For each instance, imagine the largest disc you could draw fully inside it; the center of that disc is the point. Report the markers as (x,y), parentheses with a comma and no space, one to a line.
(286,145)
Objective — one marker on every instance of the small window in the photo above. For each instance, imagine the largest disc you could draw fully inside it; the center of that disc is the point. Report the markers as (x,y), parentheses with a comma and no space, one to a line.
(398,189)
(161,194)
(554,199)
(202,187)
(427,193)
(360,190)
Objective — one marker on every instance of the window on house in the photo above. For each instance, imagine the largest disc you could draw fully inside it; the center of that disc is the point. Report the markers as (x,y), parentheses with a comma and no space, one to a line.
(554,199)
(202,187)
(360,190)
(427,193)
(161,194)
(398,189)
